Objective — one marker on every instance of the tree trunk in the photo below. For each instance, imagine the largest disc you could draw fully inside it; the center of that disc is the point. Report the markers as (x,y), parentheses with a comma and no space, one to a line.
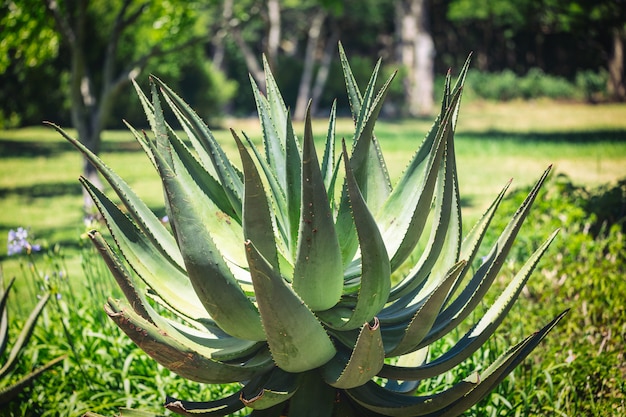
(218,39)
(417,52)
(617,83)
(324,69)
(89,112)
(273,32)
(304,90)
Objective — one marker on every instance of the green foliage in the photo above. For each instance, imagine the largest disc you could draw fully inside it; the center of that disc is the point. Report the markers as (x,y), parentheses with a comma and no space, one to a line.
(307,293)
(580,372)
(587,274)
(593,84)
(28,34)
(103,370)
(507,85)
(11,384)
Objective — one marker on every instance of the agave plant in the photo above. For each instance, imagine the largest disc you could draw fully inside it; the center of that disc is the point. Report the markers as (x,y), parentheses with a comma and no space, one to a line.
(10,389)
(317,286)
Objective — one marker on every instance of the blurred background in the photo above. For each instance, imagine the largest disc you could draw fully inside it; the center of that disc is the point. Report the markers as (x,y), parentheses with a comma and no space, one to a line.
(546,87)
(71,61)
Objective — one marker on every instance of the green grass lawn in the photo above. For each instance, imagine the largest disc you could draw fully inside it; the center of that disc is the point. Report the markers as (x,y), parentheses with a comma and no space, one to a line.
(495,142)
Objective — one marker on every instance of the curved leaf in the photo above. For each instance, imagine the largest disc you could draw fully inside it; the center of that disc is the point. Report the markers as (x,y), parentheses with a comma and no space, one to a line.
(363,363)
(296,338)
(180,357)
(318,272)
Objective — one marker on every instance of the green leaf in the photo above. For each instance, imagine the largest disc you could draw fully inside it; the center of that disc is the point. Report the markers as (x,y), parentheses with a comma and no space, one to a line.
(141,213)
(498,370)
(474,291)
(390,403)
(425,314)
(445,236)
(471,242)
(414,194)
(277,388)
(187,362)
(169,282)
(257,217)
(293,191)
(354,94)
(328,160)
(24,336)
(209,273)
(296,338)
(480,332)
(350,370)
(318,272)
(122,276)
(220,407)
(375,270)
(229,176)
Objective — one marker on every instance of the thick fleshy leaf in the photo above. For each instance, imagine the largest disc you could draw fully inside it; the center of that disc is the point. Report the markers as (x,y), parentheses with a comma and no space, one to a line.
(229,176)
(367,159)
(390,403)
(180,357)
(207,341)
(375,280)
(296,338)
(445,237)
(212,280)
(425,314)
(354,94)
(473,293)
(480,332)
(350,370)
(169,282)
(276,388)
(318,272)
(151,225)
(498,370)
(257,217)
(122,276)
(293,191)
(215,408)
(414,193)
(273,141)
(278,199)
(328,160)
(471,243)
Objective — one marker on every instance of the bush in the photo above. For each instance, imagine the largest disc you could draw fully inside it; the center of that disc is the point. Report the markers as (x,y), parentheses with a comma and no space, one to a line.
(507,85)
(593,84)
(585,273)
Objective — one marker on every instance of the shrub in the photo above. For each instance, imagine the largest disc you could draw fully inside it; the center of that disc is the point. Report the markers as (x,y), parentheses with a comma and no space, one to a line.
(587,274)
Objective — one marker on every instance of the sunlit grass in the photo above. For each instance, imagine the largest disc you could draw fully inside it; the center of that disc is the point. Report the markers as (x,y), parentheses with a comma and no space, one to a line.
(495,142)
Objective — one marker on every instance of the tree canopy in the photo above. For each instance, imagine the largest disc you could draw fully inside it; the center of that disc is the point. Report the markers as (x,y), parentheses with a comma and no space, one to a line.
(299,37)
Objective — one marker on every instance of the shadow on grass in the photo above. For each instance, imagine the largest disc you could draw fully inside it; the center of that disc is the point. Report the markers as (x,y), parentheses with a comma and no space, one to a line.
(10,148)
(592,136)
(45,190)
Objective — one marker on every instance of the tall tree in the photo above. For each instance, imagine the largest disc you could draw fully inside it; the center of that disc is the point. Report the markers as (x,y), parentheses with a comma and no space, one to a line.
(94,34)
(416,52)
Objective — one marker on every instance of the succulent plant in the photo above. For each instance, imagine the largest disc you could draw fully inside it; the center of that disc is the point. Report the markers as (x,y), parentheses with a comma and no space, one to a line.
(306,282)
(9,389)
